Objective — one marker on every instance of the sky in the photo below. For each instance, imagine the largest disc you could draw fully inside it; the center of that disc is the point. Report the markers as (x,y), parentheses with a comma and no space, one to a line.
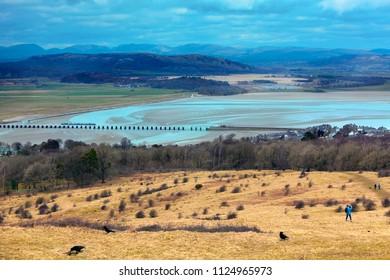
(354,24)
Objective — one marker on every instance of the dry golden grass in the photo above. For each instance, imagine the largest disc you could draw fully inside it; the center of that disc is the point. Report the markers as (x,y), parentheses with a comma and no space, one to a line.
(324,234)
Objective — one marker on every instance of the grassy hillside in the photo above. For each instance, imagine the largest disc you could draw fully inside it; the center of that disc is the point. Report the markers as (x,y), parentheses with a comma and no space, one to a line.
(232,215)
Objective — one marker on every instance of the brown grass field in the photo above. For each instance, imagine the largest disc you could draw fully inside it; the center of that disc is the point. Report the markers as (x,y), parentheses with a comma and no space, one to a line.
(316,232)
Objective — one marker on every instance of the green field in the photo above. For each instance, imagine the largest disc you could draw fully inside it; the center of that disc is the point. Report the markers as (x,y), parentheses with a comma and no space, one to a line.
(58,98)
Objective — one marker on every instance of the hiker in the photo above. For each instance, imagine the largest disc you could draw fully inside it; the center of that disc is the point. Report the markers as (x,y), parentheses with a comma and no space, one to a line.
(375,186)
(348,211)
(379,186)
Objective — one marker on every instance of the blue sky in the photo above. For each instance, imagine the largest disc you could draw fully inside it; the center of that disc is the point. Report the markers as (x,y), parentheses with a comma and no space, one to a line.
(357,24)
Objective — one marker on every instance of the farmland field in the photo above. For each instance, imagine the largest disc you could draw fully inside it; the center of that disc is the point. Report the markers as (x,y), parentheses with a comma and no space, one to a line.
(229,215)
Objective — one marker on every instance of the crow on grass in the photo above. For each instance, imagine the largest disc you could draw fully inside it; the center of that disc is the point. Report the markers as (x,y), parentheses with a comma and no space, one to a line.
(76,249)
(108,230)
(283,236)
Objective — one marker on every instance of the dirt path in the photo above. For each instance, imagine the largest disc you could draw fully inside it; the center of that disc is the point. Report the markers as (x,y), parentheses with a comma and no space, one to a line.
(381,194)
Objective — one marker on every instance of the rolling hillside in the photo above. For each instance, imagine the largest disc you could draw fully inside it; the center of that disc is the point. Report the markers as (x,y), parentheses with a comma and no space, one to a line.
(204,215)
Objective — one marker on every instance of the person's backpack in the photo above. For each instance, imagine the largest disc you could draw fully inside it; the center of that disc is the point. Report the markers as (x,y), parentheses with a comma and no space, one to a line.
(345,210)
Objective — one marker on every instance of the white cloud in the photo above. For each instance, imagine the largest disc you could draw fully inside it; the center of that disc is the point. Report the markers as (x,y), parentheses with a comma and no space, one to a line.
(341,6)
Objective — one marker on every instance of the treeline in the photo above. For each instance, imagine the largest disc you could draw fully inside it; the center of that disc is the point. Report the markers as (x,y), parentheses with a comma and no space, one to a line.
(54,164)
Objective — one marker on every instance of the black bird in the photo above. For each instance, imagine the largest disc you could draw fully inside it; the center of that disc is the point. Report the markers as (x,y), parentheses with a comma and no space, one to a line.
(283,236)
(106,229)
(76,249)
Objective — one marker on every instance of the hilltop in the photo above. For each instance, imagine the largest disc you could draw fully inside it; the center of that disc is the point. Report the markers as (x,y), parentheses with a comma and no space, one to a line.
(203,215)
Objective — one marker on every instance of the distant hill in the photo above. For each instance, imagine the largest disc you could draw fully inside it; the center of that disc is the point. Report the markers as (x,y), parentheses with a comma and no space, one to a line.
(264,59)
(120,64)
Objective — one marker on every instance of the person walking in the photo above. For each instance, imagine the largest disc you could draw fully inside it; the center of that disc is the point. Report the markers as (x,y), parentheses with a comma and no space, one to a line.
(379,186)
(348,211)
(375,186)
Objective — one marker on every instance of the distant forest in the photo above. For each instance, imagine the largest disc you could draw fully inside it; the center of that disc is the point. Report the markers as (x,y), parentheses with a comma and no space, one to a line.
(71,164)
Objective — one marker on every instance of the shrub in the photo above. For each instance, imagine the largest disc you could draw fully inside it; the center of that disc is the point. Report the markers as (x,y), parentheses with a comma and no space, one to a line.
(96,196)
(299,204)
(176,181)
(286,189)
(330,186)
(134,198)
(25,214)
(195,214)
(312,203)
(185,180)
(264,184)
(150,203)
(153,213)
(343,187)
(331,202)
(43,209)
(198,186)
(221,189)
(112,213)
(205,211)
(55,207)
(355,207)
(263,193)
(224,204)
(106,201)
(339,209)
(386,202)
(1,219)
(89,198)
(387,214)
(122,206)
(27,204)
(119,189)
(240,207)
(69,195)
(167,206)
(40,200)
(105,193)
(53,197)
(140,215)
(104,207)
(369,205)
(305,216)
(311,184)
(236,190)
(232,215)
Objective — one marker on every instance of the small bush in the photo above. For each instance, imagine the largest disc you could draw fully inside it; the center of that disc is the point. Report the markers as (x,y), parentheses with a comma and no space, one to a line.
(185,180)
(355,207)
(104,207)
(224,204)
(240,207)
(150,203)
(330,186)
(53,197)
(55,207)
(89,198)
(119,189)
(134,198)
(221,189)
(331,202)
(96,196)
(106,201)
(122,206)
(40,200)
(386,202)
(25,214)
(27,204)
(43,209)
(264,184)
(339,209)
(176,181)
(112,213)
(343,187)
(305,216)
(387,214)
(195,214)
(286,189)
(311,184)
(231,215)
(105,193)
(198,186)
(205,211)
(69,195)
(369,205)
(236,190)
(1,219)
(153,213)
(299,204)
(140,215)
(262,193)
